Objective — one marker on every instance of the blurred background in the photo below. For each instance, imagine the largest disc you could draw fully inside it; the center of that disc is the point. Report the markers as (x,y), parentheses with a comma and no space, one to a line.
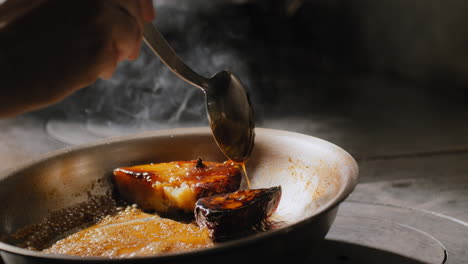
(296,57)
(386,80)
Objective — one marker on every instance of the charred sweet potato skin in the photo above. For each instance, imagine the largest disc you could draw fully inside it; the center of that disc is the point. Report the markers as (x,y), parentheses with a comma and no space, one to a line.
(177,185)
(234,214)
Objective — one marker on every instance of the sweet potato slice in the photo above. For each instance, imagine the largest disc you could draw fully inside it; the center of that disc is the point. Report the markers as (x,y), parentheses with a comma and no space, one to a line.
(238,213)
(175,186)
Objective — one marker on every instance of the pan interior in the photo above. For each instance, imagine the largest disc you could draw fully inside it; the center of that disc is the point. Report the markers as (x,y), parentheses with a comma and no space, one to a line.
(67,189)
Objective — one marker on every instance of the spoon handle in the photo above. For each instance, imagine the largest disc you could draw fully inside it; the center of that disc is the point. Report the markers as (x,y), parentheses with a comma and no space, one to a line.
(159,45)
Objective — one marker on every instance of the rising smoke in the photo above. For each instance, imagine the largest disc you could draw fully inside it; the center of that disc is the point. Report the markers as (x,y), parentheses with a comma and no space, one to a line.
(146,94)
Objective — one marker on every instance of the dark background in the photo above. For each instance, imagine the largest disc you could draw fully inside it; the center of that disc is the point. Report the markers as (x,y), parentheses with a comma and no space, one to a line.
(331,55)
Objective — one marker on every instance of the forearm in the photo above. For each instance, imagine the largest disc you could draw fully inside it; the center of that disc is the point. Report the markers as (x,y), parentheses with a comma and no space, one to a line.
(59,46)
(43,54)
(12,10)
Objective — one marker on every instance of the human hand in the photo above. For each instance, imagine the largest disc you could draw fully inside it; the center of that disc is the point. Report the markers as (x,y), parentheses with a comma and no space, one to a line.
(123,20)
(56,47)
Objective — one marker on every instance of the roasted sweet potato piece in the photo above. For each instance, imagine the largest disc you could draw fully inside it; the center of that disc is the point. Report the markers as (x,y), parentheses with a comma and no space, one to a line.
(238,213)
(177,185)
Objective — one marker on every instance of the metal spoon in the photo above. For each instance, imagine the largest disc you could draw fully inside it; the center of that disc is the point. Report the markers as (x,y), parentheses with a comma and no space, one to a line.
(227,101)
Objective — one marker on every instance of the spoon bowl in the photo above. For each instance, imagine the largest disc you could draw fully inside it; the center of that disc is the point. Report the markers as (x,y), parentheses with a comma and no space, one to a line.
(227,100)
(231,116)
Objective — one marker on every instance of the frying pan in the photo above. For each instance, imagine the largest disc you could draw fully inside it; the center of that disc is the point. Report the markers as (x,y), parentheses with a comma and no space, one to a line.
(56,192)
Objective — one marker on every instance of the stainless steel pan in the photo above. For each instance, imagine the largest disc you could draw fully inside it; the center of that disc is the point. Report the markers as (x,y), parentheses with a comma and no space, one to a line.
(315,176)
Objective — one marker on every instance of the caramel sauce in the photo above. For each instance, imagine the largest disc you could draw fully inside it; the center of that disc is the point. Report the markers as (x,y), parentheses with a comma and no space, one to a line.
(131,233)
(176,172)
(246,176)
(247,180)
(230,201)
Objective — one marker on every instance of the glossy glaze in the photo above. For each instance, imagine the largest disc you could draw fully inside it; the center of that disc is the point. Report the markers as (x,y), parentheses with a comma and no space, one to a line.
(175,185)
(238,213)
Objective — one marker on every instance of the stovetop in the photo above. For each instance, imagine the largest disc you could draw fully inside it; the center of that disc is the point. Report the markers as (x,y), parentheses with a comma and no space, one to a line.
(378,233)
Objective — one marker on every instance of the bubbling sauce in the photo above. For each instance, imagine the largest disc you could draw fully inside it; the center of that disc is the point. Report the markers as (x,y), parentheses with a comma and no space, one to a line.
(130,233)
(110,228)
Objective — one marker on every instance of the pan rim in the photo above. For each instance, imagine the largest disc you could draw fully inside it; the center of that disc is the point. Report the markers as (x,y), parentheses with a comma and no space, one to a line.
(344,191)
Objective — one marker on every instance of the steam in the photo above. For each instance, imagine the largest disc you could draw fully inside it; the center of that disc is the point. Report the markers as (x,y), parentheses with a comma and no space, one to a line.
(145,94)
